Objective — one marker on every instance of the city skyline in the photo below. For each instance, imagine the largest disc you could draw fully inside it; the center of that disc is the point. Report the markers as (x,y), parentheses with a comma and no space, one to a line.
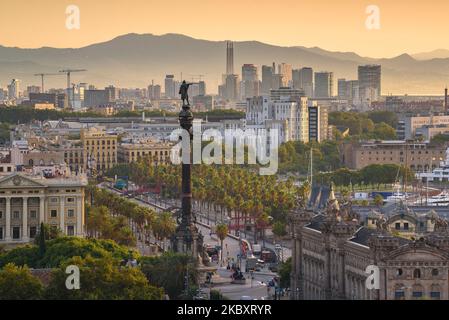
(401,24)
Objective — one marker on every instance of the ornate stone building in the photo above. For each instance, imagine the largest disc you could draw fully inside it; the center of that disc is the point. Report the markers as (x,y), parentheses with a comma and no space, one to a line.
(26,201)
(333,246)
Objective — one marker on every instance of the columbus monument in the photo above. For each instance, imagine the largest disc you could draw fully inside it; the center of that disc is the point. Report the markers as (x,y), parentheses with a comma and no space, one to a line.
(187,239)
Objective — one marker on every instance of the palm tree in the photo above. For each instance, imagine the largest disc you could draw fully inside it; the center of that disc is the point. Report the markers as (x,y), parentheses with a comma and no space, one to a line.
(164,226)
(222,232)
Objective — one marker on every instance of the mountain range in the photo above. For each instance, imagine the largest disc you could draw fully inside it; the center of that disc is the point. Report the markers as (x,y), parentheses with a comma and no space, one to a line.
(134,60)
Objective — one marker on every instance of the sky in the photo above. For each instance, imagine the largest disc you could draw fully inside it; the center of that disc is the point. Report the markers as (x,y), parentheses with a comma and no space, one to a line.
(411,26)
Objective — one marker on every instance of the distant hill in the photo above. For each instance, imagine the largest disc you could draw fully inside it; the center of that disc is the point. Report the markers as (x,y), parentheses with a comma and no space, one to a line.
(435,54)
(133,60)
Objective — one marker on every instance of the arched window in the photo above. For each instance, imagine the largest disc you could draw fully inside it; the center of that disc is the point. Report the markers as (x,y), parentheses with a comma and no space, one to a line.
(41,162)
(399,293)
(435,292)
(31,162)
(417,273)
(399,272)
(417,291)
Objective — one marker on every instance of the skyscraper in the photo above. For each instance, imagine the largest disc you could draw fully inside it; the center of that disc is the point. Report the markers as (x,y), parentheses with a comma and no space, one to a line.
(250,81)
(286,71)
(231,87)
(306,81)
(342,88)
(202,88)
(14,89)
(267,79)
(324,84)
(369,83)
(170,86)
(229,57)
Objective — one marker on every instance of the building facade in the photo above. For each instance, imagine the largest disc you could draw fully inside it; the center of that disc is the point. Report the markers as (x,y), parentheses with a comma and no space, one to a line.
(418,156)
(157,153)
(333,248)
(28,201)
(99,149)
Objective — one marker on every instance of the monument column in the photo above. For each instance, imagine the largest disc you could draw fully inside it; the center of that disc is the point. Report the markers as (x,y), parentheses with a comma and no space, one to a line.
(25,219)
(187,238)
(8,219)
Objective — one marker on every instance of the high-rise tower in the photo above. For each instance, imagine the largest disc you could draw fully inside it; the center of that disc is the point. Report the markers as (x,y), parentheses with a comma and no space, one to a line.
(229,57)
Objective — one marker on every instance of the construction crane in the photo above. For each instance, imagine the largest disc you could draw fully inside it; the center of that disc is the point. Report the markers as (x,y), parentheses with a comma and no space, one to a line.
(68,72)
(42,75)
(197,76)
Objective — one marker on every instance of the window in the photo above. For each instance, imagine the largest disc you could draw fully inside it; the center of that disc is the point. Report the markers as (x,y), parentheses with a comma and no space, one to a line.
(53,213)
(417,273)
(399,272)
(53,200)
(1,214)
(417,294)
(405,226)
(71,213)
(399,295)
(71,199)
(1,233)
(434,295)
(70,230)
(397,226)
(16,233)
(33,231)
(33,214)
(16,215)
(434,272)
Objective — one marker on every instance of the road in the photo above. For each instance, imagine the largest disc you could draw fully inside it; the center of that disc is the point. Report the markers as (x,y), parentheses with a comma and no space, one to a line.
(255,288)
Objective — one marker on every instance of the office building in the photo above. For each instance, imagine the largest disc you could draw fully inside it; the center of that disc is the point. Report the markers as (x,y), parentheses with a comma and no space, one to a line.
(229,57)
(267,80)
(96,98)
(324,84)
(369,77)
(250,81)
(286,71)
(154,92)
(170,86)
(306,81)
(14,89)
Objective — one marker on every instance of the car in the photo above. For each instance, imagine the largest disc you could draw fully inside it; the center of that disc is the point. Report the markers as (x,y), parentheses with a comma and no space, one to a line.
(246,298)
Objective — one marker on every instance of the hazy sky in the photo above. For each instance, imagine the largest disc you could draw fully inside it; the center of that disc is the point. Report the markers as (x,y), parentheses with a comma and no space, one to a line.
(409,26)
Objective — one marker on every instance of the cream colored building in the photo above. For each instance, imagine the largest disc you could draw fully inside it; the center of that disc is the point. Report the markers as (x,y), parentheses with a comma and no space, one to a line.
(156,152)
(27,201)
(99,149)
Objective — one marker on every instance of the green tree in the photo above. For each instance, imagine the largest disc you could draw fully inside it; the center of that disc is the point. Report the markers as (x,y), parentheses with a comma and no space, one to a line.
(102,279)
(222,232)
(17,283)
(285,272)
(169,271)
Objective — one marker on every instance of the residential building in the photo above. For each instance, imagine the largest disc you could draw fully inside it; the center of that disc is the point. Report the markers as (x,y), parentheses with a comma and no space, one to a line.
(99,149)
(318,123)
(156,153)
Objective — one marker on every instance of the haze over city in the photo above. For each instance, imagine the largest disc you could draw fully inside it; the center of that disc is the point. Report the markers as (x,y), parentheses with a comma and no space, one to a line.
(318,130)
